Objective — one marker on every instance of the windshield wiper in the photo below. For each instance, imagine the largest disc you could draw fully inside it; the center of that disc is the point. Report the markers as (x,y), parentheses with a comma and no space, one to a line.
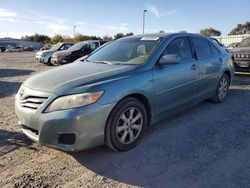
(103,62)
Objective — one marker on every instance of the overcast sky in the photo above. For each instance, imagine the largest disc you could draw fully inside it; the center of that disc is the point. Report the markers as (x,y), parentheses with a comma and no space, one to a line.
(108,17)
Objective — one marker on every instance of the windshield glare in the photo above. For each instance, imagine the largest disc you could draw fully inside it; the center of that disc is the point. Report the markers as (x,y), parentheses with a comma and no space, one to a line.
(125,51)
(56,47)
(77,46)
(245,43)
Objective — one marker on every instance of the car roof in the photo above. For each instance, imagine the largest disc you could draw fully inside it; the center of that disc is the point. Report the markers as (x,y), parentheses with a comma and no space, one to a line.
(164,35)
(68,42)
(89,41)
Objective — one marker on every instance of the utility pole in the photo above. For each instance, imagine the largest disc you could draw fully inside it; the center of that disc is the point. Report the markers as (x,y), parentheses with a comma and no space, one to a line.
(74,28)
(143,21)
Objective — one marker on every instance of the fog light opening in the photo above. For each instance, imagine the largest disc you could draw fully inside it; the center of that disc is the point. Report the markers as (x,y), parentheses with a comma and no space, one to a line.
(67,138)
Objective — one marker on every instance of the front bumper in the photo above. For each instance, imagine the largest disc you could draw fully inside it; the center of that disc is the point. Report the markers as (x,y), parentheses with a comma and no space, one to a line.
(42,59)
(59,60)
(242,65)
(70,130)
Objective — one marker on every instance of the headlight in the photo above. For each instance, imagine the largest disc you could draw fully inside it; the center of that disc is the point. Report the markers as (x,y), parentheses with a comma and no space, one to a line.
(230,62)
(73,101)
(44,54)
(63,55)
(66,54)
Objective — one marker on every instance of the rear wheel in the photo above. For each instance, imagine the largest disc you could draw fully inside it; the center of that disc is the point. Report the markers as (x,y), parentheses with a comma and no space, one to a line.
(126,124)
(222,89)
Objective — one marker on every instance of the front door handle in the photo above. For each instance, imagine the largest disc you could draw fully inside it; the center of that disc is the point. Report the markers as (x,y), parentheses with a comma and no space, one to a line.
(220,60)
(194,67)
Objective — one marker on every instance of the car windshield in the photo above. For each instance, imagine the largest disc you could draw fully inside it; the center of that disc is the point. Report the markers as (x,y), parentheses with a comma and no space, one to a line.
(77,46)
(126,51)
(56,47)
(245,43)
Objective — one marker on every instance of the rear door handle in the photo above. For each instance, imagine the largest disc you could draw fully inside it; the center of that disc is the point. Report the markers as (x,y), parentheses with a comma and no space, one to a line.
(220,60)
(194,67)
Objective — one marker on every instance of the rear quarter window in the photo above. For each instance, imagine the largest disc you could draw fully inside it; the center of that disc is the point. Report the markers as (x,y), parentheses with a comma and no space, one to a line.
(214,49)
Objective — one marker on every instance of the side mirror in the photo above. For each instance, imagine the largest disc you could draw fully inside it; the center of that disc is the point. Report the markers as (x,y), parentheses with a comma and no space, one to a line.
(169,59)
(83,58)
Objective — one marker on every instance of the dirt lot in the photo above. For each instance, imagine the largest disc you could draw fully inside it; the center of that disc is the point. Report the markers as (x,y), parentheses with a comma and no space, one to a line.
(207,145)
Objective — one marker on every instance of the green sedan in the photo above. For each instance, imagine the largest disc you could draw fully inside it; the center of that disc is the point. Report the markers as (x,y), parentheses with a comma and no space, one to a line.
(113,95)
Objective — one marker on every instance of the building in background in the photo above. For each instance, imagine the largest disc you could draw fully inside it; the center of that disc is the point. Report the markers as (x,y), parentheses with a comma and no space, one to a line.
(10,42)
(229,39)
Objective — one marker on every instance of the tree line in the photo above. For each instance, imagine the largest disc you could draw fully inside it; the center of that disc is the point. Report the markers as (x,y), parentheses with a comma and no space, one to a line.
(65,38)
(209,32)
(240,29)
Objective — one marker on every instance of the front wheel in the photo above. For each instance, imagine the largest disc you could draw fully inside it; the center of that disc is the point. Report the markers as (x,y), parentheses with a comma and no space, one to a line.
(126,124)
(222,89)
(53,63)
(49,62)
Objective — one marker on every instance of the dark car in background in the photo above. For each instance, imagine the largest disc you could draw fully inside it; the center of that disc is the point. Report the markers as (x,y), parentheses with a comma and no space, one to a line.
(232,45)
(242,55)
(2,49)
(28,49)
(45,55)
(73,53)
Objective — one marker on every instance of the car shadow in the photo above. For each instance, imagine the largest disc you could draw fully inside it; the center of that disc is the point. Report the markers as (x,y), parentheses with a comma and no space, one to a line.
(10,141)
(138,167)
(9,88)
(14,72)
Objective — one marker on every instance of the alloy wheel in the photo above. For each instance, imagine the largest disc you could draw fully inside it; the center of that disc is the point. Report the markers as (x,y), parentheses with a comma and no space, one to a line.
(223,87)
(129,125)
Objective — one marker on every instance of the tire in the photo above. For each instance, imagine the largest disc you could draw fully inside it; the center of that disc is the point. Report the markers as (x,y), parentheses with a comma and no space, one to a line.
(49,62)
(222,89)
(126,124)
(54,64)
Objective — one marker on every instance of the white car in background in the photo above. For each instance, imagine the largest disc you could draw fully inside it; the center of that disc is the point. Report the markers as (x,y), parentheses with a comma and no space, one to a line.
(45,55)
(15,49)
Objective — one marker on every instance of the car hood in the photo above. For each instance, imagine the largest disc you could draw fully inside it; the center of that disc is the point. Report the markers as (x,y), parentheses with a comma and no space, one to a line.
(45,51)
(66,78)
(241,50)
(59,53)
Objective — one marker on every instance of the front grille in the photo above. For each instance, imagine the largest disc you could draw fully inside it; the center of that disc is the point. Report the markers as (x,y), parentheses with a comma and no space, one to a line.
(242,56)
(32,102)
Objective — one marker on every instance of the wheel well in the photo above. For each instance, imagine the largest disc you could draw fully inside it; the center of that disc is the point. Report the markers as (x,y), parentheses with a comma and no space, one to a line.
(232,58)
(144,101)
(227,72)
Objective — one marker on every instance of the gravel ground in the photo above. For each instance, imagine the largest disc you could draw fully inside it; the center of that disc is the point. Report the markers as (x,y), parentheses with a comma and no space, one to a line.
(207,145)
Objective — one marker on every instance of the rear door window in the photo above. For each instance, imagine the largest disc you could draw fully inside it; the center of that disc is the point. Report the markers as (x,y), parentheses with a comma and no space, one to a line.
(202,47)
